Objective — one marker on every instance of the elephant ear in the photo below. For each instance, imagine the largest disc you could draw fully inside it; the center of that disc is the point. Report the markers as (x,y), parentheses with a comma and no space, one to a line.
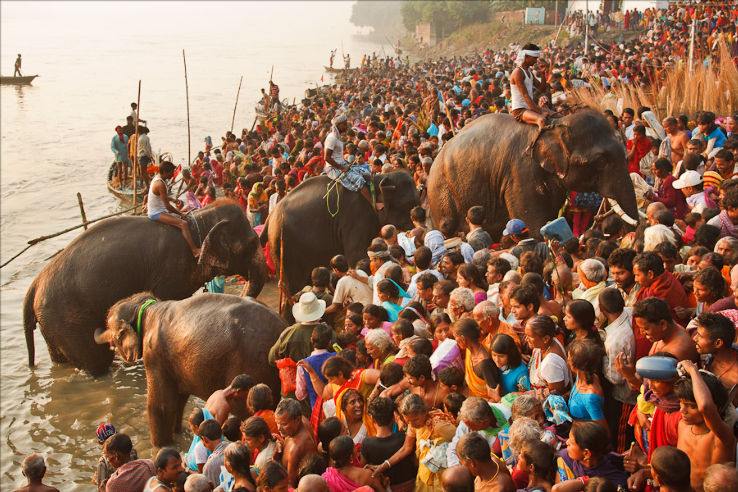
(215,252)
(551,151)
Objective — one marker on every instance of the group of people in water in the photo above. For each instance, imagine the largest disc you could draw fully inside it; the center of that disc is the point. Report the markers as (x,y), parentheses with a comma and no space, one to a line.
(462,363)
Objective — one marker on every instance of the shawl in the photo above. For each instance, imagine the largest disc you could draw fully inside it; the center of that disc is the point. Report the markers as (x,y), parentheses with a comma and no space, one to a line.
(337,482)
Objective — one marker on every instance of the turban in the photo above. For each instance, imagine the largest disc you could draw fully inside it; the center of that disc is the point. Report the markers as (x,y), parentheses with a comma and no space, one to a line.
(523,53)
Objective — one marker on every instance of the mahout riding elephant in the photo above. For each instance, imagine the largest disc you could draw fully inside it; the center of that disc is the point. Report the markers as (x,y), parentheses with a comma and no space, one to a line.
(314,227)
(120,256)
(190,347)
(489,163)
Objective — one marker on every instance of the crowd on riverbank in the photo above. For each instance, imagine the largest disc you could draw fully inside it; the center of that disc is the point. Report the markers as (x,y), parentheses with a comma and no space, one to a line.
(464,363)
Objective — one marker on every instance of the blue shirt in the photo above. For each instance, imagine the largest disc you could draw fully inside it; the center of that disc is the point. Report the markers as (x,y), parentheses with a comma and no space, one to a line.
(515,379)
(586,406)
(719,137)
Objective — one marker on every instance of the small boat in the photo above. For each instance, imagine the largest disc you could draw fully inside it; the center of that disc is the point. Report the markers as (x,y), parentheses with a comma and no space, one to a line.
(125,193)
(338,70)
(25,80)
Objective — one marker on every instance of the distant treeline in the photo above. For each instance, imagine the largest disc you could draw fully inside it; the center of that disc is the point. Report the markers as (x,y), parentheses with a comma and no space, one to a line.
(445,16)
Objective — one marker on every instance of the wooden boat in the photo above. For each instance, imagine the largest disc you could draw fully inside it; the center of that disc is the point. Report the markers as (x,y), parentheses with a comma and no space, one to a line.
(25,80)
(125,193)
(338,70)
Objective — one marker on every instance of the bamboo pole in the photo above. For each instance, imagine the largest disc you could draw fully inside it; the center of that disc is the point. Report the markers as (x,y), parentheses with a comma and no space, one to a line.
(238,92)
(82,209)
(135,150)
(187,95)
(37,240)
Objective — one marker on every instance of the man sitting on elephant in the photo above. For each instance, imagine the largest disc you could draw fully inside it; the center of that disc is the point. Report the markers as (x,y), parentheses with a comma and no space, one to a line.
(231,400)
(522,81)
(160,208)
(353,177)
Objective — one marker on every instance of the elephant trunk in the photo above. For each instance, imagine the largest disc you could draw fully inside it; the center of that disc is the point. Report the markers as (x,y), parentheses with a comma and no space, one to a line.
(257,274)
(621,192)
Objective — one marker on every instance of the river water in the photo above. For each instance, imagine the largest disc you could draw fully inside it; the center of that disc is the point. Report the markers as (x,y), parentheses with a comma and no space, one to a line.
(55,142)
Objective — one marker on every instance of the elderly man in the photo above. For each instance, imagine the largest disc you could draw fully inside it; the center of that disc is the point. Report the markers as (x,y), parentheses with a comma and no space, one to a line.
(460,303)
(312,483)
(491,474)
(727,247)
(592,276)
(487,316)
(353,177)
(441,296)
(478,415)
(295,341)
(129,474)
(198,482)
(34,469)
(298,437)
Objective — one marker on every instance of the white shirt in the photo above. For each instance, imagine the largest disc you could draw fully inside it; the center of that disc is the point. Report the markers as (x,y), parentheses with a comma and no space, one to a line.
(334,143)
(352,290)
(619,339)
(144,146)
(629,131)
(697,202)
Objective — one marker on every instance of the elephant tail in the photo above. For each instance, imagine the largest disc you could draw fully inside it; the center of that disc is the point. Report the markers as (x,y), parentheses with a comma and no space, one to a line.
(264,236)
(29,322)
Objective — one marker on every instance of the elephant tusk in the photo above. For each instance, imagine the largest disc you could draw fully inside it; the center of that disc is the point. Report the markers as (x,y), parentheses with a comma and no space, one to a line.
(101,337)
(619,210)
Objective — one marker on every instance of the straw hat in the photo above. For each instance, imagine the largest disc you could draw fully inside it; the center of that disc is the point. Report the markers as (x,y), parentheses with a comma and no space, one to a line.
(309,308)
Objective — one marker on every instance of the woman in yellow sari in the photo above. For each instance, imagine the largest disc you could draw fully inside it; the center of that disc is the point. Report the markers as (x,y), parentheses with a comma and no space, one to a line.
(480,372)
(429,434)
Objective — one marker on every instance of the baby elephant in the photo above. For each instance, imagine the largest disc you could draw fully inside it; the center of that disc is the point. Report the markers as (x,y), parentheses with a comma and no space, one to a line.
(191,347)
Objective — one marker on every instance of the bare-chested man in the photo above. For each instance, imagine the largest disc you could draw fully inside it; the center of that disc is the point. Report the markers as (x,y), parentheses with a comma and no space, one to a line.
(678,139)
(298,439)
(703,433)
(652,317)
(34,470)
(522,82)
(231,400)
(491,474)
(714,338)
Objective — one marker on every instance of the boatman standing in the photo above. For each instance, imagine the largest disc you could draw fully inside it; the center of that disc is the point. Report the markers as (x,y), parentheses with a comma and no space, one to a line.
(17,71)
(522,81)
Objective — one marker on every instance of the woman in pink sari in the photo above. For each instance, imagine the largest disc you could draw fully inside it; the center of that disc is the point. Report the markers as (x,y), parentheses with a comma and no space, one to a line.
(344,477)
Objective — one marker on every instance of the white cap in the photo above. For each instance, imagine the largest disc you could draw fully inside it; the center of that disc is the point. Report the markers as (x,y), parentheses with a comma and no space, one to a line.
(689,178)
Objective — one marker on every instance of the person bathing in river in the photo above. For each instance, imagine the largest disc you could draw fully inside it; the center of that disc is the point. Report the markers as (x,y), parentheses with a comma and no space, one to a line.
(160,208)
(522,81)
(352,176)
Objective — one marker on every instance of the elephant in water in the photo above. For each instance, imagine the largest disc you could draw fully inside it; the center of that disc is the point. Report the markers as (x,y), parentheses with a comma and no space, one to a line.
(487,164)
(310,227)
(191,347)
(118,257)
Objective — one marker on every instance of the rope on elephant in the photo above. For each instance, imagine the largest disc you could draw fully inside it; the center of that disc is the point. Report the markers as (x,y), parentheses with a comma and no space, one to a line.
(333,185)
(37,240)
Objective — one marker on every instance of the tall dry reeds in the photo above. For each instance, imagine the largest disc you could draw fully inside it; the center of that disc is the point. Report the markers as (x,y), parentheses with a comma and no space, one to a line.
(706,88)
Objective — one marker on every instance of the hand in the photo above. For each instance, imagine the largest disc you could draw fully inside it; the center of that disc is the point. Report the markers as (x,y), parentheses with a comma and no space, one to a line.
(637,480)
(682,312)
(634,459)
(687,366)
(644,421)
(623,366)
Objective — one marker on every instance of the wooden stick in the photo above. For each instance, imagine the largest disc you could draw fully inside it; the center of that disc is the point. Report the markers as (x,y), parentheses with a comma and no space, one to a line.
(82,209)
(135,151)
(233,119)
(187,95)
(33,242)
(271,74)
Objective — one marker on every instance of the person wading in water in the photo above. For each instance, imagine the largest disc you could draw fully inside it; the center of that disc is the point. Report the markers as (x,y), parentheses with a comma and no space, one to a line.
(160,209)
(522,81)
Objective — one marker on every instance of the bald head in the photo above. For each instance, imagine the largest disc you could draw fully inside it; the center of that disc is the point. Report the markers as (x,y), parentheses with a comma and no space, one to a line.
(312,483)
(457,479)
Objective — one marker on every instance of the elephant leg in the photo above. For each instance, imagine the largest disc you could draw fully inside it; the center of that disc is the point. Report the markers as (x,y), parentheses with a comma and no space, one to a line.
(57,357)
(162,406)
(540,205)
(180,413)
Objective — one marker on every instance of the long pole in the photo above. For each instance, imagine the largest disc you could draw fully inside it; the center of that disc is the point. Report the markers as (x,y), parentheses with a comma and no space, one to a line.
(187,95)
(82,209)
(691,47)
(238,92)
(586,28)
(135,149)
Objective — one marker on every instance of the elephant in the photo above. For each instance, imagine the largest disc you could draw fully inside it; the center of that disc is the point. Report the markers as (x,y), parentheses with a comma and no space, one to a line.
(309,228)
(120,256)
(190,347)
(504,166)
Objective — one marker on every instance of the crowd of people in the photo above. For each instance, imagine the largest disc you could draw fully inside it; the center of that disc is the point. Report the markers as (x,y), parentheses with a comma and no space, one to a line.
(440,362)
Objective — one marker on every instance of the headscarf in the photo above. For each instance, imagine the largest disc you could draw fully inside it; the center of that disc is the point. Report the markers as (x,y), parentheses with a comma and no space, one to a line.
(337,120)
(522,54)
(434,241)
(654,123)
